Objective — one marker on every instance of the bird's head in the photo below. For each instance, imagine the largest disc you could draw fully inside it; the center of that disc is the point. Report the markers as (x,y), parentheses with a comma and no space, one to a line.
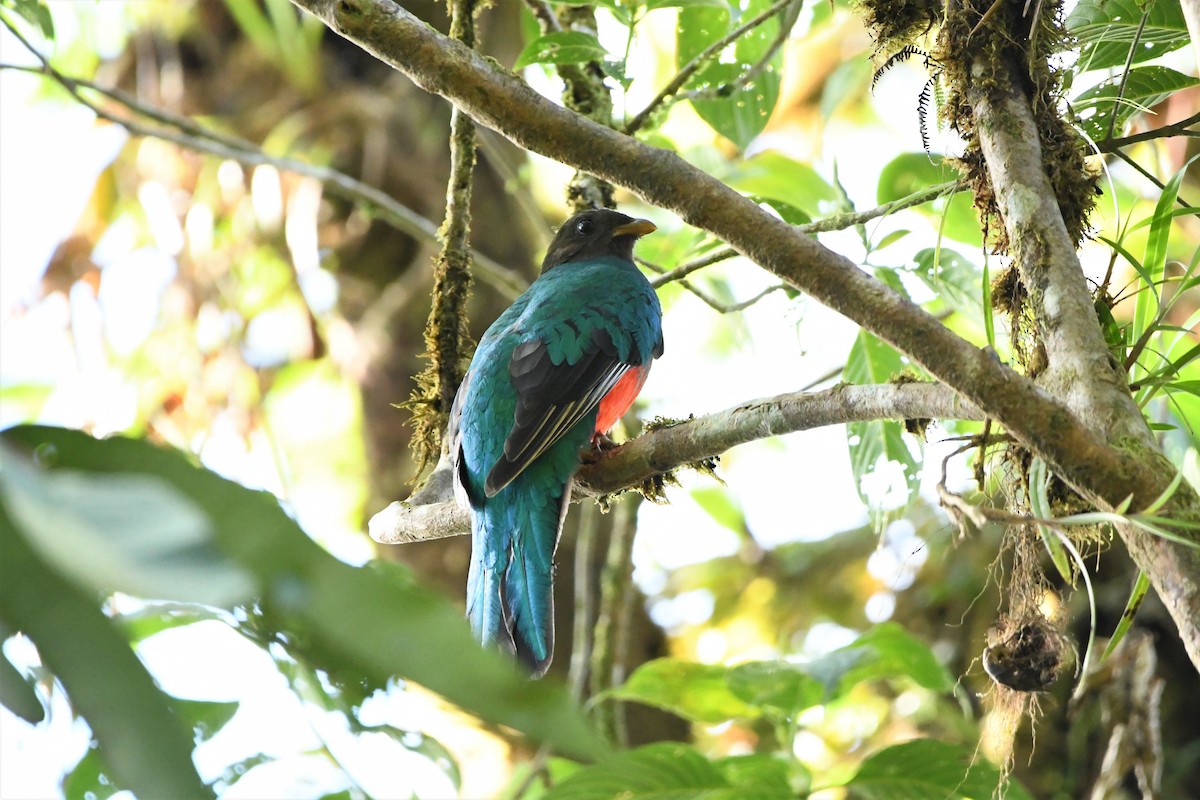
(593,234)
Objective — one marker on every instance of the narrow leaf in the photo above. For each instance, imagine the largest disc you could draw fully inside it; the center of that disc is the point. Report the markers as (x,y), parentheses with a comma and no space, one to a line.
(1140,587)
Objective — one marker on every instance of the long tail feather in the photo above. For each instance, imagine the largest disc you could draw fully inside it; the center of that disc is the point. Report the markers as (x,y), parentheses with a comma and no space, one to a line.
(510,588)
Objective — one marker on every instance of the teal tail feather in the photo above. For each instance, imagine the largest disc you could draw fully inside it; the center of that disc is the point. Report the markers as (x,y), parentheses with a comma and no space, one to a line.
(510,588)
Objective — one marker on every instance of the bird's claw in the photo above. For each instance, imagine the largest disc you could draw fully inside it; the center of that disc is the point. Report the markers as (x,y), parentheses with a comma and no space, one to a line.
(601,444)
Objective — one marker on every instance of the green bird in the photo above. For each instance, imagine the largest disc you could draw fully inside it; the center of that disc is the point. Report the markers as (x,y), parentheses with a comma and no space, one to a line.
(553,373)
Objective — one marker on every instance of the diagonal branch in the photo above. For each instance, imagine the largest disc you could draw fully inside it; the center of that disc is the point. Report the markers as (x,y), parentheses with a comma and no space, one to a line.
(432,514)
(500,100)
(836,222)
(1106,464)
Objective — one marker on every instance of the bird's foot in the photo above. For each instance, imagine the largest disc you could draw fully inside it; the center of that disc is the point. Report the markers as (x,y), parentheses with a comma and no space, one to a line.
(601,444)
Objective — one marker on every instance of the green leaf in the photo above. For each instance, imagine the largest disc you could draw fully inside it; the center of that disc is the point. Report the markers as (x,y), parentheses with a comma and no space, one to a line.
(157,617)
(696,692)
(662,771)
(953,277)
(1154,261)
(130,533)
(89,779)
(873,444)
(909,173)
(743,114)
(772,176)
(562,47)
(891,238)
(361,624)
(146,744)
(205,717)
(1145,87)
(891,651)
(36,14)
(786,211)
(1107,28)
(757,772)
(1140,587)
(778,686)
(924,769)
(17,694)
(1039,502)
(651,5)
(722,506)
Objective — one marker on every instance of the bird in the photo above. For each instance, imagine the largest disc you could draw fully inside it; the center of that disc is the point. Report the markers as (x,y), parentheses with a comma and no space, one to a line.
(548,380)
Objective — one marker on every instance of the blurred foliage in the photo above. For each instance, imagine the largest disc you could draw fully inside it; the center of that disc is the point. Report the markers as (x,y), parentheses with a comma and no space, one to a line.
(249,332)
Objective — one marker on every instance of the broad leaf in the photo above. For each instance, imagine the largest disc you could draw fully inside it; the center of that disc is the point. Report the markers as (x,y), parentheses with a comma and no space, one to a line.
(924,769)
(957,281)
(772,176)
(89,779)
(661,771)
(879,444)
(17,694)
(780,687)
(1107,29)
(909,173)
(1145,87)
(359,623)
(129,533)
(891,651)
(743,114)
(885,651)
(36,14)
(696,692)
(106,682)
(563,47)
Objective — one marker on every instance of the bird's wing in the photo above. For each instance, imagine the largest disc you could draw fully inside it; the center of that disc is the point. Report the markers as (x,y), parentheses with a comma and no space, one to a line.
(552,399)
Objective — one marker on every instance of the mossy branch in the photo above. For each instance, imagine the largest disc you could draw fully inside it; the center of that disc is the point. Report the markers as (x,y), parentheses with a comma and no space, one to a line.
(433,514)
(1073,445)
(446,334)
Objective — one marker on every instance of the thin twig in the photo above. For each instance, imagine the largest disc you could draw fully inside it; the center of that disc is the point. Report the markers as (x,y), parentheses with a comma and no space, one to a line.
(629,597)
(192,136)
(837,222)
(545,15)
(1181,128)
(692,67)
(613,579)
(743,80)
(1147,175)
(1133,47)
(585,600)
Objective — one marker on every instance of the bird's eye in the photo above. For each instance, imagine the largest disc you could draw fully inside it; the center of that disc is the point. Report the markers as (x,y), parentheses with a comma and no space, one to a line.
(583,227)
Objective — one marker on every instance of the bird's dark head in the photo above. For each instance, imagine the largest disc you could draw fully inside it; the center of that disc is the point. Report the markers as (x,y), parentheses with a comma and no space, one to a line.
(593,234)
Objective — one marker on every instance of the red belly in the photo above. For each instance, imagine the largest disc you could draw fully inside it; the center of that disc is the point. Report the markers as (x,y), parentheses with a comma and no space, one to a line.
(620,398)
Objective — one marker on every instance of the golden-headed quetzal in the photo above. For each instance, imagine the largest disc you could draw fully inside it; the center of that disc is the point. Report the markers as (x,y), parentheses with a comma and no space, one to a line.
(556,369)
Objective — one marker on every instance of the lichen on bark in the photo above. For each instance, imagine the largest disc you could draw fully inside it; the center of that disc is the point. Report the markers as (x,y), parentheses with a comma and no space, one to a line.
(446,336)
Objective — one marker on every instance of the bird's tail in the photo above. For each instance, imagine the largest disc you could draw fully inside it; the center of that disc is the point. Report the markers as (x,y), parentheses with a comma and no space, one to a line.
(510,588)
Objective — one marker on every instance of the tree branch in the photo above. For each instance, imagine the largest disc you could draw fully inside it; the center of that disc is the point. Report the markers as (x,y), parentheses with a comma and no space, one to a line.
(837,222)
(500,100)
(1185,127)
(1082,372)
(433,514)
(1080,450)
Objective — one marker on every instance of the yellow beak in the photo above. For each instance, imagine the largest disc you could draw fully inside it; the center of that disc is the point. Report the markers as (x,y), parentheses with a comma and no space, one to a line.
(639,227)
